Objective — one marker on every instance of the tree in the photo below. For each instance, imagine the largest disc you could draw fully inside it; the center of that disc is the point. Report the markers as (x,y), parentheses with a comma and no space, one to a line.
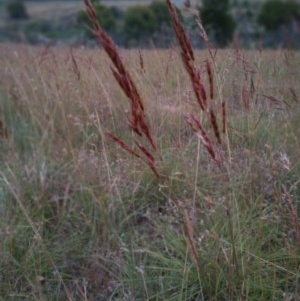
(117,12)
(217,20)
(153,21)
(139,23)
(104,16)
(161,13)
(17,10)
(164,34)
(275,13)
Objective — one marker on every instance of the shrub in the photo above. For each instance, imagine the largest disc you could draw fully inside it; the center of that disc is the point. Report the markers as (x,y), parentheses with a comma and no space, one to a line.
(275,13)
(151,21)
(162,15)
(139,23)
(17,10)
(104,15)
(217,20)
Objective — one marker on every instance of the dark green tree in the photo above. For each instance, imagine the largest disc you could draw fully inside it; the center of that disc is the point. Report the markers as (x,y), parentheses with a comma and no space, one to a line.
(139,23)
(161,12)
(117,12)
(104,16)
(275,13)
(17,10)
(217,20)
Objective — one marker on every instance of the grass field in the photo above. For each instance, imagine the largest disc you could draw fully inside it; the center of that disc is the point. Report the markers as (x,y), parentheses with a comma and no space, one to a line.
(205,207)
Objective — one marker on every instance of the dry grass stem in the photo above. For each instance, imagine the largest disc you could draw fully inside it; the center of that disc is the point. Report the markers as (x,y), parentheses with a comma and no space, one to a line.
(210,79)
(292,209)
(3,130)
(123,145)
(294,95)
(214,124)
(190,235)
(224,117)
(252,88)
(205,37)
(245,97)
(149,156)
(75,65)
(195,124)
(141,61)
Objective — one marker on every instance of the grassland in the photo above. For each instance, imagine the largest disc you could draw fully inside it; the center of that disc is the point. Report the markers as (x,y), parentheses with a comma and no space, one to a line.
(82,219)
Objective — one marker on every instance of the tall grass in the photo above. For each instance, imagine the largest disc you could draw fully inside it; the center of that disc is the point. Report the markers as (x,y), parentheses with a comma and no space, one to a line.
(94,206)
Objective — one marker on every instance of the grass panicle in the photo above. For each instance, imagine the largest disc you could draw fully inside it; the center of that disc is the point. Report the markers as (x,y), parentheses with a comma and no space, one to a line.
(195,124)
(137,121)
(189,63)
(188,58)
(210,78)
(3,130)
(75,65)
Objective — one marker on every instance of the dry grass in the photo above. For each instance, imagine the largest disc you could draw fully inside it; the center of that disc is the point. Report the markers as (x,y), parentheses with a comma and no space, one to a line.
(84,217)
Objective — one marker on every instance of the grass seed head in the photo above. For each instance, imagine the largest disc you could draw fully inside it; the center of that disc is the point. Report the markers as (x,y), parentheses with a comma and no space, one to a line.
(210,79)
(188,58)
(214,124)
(224,117)
(3,130)
(123,145)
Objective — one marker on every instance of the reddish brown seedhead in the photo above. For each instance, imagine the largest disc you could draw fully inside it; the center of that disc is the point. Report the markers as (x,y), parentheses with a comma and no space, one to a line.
(188,58)
(137,120)
(214,125)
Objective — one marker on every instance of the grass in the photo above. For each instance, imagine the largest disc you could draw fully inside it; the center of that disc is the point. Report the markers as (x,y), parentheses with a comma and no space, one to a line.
(83,219)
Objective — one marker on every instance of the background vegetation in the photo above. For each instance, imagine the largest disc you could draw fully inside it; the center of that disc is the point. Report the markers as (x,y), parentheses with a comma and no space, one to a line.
(218,21)
(272,23)
(17,10)
(275,13)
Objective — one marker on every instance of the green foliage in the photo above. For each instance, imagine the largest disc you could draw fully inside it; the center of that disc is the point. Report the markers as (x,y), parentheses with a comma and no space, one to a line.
(104,15)
(116,12)
(39,26)
(17,10)
(161,12)
(139,23)
(274,13)
(217,20)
